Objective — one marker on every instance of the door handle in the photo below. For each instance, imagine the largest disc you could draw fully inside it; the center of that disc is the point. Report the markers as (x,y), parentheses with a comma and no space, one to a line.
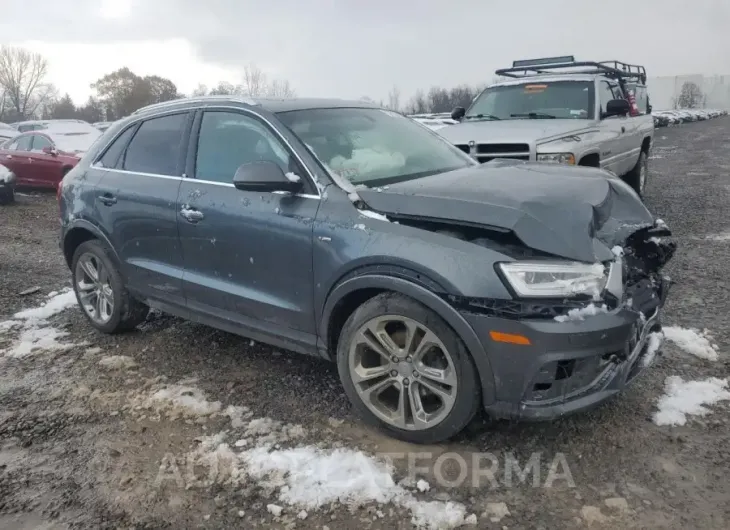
(108,199)
(9,157)
(191,215)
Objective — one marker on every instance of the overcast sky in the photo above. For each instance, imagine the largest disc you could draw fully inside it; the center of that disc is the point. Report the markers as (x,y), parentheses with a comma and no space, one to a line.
(352,48)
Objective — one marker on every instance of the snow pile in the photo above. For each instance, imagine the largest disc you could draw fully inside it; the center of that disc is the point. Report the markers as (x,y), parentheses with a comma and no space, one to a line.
(689,397)
(311,477)
(117,362)
(694,342)
(180,401)
(374,215)
(652,348)
(36,334)
(582,312)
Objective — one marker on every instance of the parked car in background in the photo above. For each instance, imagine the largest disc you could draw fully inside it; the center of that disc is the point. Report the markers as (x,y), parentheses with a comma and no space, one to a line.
(36,125)
(102,125)
(7,131)
(439,286)
(7,185)
(562,111)
(41,158)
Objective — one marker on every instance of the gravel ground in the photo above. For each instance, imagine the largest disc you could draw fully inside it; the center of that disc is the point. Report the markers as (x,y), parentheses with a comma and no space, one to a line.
(79,447)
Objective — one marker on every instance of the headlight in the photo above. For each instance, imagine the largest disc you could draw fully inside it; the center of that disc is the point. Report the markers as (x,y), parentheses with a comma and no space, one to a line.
(557,158)
(552,279)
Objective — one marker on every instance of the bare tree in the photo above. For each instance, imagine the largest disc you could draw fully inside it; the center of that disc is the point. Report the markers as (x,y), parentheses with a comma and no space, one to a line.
(22,75)
(254,80)
(281,89)
(394,98)
(201,90)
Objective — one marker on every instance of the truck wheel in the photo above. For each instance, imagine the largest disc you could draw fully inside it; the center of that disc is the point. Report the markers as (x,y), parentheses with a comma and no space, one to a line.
(637,177)
(404,369)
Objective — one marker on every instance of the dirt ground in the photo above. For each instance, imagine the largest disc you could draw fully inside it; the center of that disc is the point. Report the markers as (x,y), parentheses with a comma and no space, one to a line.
(87,439)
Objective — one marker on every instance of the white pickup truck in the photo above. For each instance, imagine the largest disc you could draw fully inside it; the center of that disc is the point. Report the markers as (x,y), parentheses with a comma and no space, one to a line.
(561,111)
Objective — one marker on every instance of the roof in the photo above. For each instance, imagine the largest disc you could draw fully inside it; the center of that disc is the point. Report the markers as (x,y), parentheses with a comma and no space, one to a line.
(270,104)
(547,78)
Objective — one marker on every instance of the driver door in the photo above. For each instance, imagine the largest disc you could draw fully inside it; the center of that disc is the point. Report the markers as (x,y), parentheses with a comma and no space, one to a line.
(247,255)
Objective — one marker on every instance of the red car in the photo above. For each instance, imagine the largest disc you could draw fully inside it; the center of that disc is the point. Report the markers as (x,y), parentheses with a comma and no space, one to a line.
(41,158)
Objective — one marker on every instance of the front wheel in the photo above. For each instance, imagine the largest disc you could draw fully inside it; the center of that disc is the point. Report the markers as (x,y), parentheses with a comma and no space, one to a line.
(637,177)
(404,369)
(101,292)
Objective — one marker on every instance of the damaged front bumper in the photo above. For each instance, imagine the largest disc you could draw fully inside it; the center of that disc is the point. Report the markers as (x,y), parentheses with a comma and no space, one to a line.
(570,365)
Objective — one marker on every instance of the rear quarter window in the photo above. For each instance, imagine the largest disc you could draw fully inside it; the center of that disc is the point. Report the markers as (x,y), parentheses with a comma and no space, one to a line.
(110,158)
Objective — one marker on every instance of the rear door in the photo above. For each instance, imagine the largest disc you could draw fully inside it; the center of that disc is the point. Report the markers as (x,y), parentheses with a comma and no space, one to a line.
(137,203)
(46,168)
(15,158)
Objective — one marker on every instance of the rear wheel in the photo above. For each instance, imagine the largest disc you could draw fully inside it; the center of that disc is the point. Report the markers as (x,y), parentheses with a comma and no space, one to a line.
(406,370)
(637,177)
(101,292)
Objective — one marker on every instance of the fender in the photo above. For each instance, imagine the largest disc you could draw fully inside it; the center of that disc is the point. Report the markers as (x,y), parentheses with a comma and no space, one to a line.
(430,300)
(96,231)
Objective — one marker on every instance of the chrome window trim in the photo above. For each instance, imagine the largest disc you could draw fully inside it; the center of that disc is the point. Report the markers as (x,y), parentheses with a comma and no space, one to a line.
(215,107)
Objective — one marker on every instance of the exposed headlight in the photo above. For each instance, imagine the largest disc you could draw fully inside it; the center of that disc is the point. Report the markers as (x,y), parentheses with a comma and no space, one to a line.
(557,158)
(552,279)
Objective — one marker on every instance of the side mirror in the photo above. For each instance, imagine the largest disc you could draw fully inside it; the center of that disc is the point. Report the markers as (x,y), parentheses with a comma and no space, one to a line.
(50,151)
(617,107)
(458,113)
(264,176)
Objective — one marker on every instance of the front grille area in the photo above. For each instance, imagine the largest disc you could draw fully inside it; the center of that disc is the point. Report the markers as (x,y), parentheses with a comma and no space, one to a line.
(486,152)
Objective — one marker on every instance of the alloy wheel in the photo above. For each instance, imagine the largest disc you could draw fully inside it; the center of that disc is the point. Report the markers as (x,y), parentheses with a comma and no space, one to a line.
(94,288)
(403,372)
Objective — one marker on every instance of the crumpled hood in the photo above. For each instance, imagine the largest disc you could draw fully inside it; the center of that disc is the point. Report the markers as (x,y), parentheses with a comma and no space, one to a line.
(574,212)
(513,131)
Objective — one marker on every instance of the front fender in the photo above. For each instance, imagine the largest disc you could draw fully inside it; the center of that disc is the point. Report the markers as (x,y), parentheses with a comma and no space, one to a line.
(430,300)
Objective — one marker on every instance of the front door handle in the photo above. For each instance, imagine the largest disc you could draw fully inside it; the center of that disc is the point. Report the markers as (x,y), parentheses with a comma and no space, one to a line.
(191,215)
(9,157)
(108,199)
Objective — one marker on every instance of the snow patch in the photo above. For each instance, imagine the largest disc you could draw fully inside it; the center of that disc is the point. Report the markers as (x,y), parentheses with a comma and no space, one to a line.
(311,478)
(724,236)
(374,215)
(118,362)
(359,227)
(36,334)
(292,177)
(694,342)
(580,313)
(618,251)
(683,398)
(181,400)
(653,346)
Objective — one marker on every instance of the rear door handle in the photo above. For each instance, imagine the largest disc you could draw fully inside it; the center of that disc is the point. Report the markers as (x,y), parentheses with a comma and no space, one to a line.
(191,215)
(108,199)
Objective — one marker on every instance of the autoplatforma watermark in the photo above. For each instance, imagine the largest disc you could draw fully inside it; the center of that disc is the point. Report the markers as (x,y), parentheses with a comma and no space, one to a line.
(480,470)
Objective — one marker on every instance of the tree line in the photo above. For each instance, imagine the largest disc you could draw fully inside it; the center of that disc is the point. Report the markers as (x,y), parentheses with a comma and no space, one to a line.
(26,93)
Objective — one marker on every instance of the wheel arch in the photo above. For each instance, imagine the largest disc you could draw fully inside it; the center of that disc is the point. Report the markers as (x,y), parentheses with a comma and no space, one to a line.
(350,293)
(80,232)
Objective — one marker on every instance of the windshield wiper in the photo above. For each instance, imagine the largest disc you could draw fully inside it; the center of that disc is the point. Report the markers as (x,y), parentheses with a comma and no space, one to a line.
(534,116)
(482,117)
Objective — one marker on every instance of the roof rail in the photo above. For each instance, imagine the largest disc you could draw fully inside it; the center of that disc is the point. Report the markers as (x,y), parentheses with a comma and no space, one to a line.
(567,65)
(196,99)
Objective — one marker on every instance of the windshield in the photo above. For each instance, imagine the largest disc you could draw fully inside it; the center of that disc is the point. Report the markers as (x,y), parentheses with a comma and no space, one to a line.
(536,100)
(373,147)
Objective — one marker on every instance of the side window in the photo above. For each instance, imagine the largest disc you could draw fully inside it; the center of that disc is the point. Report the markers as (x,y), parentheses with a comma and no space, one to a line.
(228,140)
(156,147)
(22,143)
(606,95)
(642,100)
(40,142)
(110,158)
(617,92)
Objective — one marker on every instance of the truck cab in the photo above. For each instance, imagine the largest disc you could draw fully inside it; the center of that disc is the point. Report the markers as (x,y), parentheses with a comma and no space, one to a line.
(557,110)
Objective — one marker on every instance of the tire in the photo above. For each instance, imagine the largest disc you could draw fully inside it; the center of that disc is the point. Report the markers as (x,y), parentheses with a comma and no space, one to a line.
(126,312)
(395,311)
(634,177)
(7,196)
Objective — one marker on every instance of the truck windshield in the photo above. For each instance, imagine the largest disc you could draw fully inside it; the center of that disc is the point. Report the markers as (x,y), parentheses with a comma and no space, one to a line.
(536,100)
(373,147)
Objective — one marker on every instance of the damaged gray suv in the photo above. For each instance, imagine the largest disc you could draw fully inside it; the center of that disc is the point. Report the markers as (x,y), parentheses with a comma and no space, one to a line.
(439,286)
